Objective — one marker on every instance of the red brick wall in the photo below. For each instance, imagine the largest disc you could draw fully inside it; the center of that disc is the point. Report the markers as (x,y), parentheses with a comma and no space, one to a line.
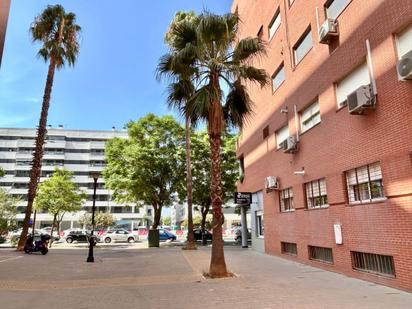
(341,141)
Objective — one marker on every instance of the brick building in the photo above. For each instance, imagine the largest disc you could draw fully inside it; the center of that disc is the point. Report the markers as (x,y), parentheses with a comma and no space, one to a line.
(4,15)
(328,154)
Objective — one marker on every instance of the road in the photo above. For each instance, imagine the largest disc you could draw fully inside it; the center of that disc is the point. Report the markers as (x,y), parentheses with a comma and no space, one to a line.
(169,277)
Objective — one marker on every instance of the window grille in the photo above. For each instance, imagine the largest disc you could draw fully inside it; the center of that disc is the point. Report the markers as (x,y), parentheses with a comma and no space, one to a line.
(373,263)
(289,248)
(320,254)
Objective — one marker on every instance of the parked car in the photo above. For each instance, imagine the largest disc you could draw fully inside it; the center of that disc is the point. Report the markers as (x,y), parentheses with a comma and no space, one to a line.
(238,235)
(118,235)
(14,236)
(80,236)
(198,234)
(166,235)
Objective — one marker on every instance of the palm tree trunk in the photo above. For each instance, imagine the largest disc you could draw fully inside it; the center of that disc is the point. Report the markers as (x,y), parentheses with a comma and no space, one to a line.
(38,153)
(191,245)
(217,264)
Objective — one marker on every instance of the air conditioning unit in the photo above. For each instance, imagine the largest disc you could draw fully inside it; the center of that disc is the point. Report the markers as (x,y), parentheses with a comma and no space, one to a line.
(289,145)
(328,30)
(271,183)
(360,100)
(404,67)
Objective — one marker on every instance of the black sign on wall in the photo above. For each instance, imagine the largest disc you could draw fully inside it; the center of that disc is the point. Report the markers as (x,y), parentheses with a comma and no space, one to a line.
(243,198)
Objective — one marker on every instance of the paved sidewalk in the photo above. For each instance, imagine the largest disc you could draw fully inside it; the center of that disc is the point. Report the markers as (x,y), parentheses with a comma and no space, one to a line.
(169,277)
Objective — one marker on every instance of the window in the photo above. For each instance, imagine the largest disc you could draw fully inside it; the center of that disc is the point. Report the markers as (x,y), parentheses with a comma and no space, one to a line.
(335,7)
(274,24)
(241,168)
(265,132)
(357,78)
(260,227)
(316,196)
(373,263)
(260,32)
(289,248)
(365,183)
(303,46)
(281,135)
(278,78)
(310,117)
(286,200)
(320,254)
(404,41)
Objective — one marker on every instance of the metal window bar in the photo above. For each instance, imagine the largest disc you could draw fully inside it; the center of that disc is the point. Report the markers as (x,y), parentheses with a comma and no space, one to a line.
(289,248)
(321,254)
(373,263)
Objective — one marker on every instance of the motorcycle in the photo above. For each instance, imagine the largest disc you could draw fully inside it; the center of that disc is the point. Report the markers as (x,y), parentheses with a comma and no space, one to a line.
(38,245)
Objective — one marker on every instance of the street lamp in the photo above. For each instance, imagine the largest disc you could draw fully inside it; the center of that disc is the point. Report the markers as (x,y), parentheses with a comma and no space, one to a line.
(95,176)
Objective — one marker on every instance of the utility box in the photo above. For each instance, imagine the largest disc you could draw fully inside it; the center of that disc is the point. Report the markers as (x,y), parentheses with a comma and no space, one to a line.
(338,233)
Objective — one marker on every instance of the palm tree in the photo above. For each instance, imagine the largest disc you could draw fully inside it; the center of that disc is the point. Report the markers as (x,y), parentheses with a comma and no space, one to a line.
(216,57)
(59,35)
(179,92)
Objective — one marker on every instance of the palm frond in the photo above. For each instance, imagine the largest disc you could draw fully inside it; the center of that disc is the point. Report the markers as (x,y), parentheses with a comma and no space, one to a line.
(248,49)
(238,108)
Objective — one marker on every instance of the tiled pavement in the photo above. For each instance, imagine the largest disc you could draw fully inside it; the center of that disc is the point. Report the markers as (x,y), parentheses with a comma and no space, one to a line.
(171,278)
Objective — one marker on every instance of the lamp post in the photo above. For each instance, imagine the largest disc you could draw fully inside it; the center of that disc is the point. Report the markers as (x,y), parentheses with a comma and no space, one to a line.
(90,258)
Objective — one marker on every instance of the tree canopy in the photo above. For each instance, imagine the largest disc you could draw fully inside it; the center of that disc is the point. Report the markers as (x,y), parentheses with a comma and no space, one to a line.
(149,166)
(101,220)
(8,212)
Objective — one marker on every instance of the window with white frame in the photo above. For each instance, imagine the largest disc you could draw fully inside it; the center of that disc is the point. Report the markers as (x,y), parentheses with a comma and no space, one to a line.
(365,183)
(316,196)
(274,24)
(281,135)
(404,41)
(357,78)
(278,77)
(286,200)
(335,7)
(310,117)
(303,46)
(260,227)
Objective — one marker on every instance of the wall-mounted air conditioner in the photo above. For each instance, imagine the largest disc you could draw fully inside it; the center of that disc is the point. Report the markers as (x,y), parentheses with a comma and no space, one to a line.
(328,30)
(289,145)
(271,183)
(404,67)
(361,99)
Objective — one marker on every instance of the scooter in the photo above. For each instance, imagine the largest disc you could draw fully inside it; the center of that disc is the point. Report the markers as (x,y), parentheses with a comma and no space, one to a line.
(38,245)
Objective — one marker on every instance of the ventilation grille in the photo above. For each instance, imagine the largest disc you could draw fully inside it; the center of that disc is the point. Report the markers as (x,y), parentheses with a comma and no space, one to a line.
(373,263)
(321,254)
(289,248)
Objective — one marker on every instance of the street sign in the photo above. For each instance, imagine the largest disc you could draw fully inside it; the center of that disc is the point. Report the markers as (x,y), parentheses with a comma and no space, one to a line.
(243,198)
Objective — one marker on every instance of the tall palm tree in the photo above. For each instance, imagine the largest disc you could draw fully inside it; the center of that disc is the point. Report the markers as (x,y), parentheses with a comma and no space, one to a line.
(216,57)
(59,35)
(180,90)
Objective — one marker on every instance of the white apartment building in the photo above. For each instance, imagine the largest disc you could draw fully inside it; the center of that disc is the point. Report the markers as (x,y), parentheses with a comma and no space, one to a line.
(79,151)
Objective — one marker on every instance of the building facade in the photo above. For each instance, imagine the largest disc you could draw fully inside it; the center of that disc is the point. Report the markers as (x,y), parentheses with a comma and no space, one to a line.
(79,151)
(330,145)
(4,16)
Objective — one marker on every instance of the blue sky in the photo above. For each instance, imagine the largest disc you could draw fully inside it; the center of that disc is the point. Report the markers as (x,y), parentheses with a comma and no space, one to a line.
(114,79)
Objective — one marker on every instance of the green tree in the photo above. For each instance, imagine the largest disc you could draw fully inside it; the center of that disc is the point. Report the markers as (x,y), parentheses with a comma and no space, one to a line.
(58,33)
(8,212)
(167,221)
(2,173)
(180,91)
(198,222)
(210,49)
(202,176)
(149,166)
(58,195)
(102,220)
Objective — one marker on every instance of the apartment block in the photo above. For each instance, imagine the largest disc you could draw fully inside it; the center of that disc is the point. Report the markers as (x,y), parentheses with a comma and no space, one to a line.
(79,151)
(328,154)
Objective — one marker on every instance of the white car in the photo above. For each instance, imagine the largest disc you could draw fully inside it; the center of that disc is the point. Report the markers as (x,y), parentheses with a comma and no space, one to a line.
(118,235)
